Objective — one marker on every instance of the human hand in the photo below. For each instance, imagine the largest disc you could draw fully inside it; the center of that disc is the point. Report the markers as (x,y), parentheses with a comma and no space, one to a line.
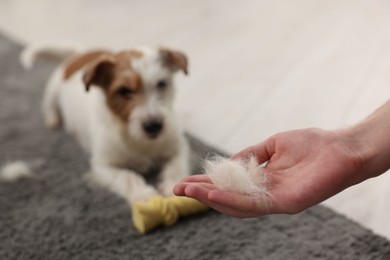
(304,167)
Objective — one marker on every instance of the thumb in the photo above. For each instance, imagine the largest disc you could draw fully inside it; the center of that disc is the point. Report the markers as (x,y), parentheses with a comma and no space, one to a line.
(262,151)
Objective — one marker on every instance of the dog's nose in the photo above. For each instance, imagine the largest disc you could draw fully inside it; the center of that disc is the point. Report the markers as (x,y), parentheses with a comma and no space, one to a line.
(153,127)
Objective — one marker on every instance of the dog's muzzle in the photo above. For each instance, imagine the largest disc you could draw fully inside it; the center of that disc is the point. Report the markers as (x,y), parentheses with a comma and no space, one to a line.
(153,127)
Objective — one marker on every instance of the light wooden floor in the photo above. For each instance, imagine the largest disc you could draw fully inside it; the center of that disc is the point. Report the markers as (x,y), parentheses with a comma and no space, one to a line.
(257,67)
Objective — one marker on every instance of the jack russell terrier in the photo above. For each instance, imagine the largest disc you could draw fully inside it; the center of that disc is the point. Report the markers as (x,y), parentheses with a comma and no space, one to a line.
(119,106)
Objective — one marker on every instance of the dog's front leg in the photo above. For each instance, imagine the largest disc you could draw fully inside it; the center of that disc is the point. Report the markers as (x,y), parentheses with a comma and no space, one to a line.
(173,171)
(126,183)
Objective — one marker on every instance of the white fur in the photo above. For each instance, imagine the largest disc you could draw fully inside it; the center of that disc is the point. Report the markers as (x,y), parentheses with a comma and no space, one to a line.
(119,151)
(14,171)
(242,176)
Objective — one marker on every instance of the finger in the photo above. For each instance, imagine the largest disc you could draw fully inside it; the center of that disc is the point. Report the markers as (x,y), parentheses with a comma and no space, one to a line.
(197,178)
(200,193)
(179,189)
(241,202)
(262,151)
(197,192)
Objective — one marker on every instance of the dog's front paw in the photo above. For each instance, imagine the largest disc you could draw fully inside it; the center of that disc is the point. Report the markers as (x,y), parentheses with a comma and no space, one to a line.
(166,188)
(143,194)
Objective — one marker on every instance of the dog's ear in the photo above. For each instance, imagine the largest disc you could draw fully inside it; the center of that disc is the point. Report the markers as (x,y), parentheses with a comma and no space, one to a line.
(99,72)
(79,61)
(175,60)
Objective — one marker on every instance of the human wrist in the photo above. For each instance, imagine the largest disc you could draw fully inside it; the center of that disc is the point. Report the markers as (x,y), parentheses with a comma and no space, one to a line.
(368,143)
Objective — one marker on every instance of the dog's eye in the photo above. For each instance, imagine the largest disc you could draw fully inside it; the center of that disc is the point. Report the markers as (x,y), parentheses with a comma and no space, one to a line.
(162,84)
(125,92)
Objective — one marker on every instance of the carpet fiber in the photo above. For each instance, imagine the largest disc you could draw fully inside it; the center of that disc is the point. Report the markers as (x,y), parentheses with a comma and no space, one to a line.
(57,215)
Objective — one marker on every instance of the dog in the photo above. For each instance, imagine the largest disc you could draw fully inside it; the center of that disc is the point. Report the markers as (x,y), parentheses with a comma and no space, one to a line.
(119,106)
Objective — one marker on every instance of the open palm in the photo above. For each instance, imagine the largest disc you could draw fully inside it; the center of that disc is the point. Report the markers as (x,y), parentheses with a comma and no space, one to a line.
(305,167)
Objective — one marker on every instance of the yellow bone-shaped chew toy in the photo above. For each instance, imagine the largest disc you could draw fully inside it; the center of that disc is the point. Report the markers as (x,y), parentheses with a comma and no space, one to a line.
(165,211)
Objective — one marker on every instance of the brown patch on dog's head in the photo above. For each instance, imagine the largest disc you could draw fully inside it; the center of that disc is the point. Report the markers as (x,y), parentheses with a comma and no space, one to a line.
(124,94)
(77,62)
(175,60)
(122,86)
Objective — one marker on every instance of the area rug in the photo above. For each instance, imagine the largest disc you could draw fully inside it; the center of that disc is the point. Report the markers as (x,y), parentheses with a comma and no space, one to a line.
(57,215)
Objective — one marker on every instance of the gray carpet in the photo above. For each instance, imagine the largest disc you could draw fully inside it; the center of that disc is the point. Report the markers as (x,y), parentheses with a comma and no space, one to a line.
(58,216)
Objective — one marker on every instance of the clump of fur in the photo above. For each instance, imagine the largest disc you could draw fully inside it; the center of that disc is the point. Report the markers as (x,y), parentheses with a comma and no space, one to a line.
(243,176)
